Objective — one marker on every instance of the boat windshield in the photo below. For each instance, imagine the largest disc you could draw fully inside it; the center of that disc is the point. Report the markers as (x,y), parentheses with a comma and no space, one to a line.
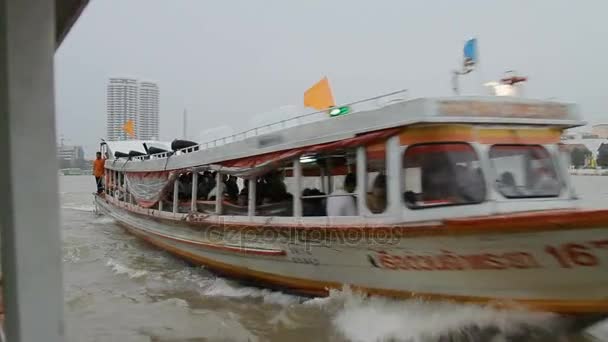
(442,174)
(524,171)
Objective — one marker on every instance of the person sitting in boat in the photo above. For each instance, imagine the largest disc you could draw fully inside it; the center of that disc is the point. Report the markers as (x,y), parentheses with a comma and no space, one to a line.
(313,206)
(232,188)
(213,192)
(546,183)
(507,186)
(243,197)
(469,184)
(205,183)
(242,200)
(99,171)
(376,200)
(185,186)
(275,189)
(341,202)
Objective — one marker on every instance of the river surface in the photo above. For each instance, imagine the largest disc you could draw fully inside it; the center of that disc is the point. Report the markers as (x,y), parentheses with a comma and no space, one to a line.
(118,288)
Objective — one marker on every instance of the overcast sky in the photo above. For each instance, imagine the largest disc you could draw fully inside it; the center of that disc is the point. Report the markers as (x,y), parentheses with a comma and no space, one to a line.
(234,64)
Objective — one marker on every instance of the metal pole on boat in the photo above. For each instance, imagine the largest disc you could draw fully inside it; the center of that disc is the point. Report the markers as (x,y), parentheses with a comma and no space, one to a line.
(127,193)
(393,170)
(297,192)
(193,207)
(115,182)
(175,194)
(111,182)
(219,193)
(323,187)
(361,179)
(330,185)
(251,200)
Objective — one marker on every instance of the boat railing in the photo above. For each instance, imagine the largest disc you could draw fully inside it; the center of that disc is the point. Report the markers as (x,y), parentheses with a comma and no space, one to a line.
(269,128)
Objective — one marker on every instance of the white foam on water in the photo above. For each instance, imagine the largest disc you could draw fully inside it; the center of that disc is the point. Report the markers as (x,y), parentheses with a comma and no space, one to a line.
(360,318)
(104,220)
(71,254)
(122,269)
(219,287)
(79,207)
(177,302)
(599,331)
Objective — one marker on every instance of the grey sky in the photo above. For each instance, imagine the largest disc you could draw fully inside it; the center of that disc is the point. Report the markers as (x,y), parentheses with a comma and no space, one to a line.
(237,63)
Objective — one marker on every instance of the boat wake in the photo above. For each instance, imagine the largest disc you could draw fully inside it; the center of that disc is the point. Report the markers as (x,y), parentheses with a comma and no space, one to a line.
(119,268)
(359,318)
(81,207)
(219,287)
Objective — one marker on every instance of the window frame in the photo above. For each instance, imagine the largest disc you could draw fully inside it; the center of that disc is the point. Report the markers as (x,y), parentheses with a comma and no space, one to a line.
(556,171)
(484,178)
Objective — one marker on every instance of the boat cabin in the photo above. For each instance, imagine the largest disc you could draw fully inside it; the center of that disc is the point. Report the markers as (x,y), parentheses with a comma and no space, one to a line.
(411,161)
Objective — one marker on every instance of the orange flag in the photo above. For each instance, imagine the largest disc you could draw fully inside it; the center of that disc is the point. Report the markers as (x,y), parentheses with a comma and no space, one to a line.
(129,128)
(319,96)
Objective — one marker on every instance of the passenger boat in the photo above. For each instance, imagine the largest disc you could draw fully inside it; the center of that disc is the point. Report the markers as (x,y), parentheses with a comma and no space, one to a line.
(464,199)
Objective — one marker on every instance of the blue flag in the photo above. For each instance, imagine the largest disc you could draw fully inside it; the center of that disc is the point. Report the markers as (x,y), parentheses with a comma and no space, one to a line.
(470,53)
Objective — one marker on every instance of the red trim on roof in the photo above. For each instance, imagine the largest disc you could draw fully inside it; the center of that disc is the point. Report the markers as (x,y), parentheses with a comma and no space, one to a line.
(276,157)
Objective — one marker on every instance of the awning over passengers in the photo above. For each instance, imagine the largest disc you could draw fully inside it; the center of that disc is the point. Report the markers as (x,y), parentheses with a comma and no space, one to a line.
(148,187)
(260,164)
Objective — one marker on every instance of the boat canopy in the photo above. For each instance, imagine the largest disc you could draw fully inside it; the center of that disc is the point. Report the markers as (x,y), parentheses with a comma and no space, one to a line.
(295,139)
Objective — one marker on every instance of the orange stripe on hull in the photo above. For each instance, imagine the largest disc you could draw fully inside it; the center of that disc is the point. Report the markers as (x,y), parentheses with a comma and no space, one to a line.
(568,219)
(469,133)
(321,288)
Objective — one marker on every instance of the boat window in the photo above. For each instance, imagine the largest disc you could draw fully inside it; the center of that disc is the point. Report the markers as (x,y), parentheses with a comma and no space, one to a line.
(442,174)
(524,171)
(328,183)
(376,197)
(234,188)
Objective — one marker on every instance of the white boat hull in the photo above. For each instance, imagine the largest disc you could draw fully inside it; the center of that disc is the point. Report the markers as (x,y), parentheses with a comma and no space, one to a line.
(551,270)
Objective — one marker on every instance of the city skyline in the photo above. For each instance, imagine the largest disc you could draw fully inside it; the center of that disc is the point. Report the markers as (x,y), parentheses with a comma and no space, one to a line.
(134,101)
(148,117)
(252,69)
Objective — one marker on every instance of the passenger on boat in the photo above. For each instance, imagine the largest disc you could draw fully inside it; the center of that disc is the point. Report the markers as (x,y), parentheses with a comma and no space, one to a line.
(546,183)
(274,189)
(507,186)
(341,202)
(205,183)
(99,171)
(313,206)
(213,192)
(185,186)
(376,200)
(232,188)
(438,183)
(242,200)
(470,185)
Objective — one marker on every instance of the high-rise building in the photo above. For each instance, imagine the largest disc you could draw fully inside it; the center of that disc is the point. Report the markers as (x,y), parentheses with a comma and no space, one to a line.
(70,156)
(121,107)
(147,125)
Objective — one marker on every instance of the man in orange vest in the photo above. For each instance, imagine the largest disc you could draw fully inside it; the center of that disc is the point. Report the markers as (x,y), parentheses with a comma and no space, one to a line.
(99,171)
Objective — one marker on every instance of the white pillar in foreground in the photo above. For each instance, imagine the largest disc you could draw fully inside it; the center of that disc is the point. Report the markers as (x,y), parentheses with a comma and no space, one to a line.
(29,205)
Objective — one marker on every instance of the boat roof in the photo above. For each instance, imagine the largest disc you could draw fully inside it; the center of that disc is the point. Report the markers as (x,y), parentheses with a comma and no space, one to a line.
(134,145)
(319,127)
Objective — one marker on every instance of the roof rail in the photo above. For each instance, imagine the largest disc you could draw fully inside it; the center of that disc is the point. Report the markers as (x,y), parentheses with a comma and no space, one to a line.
(272,127)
